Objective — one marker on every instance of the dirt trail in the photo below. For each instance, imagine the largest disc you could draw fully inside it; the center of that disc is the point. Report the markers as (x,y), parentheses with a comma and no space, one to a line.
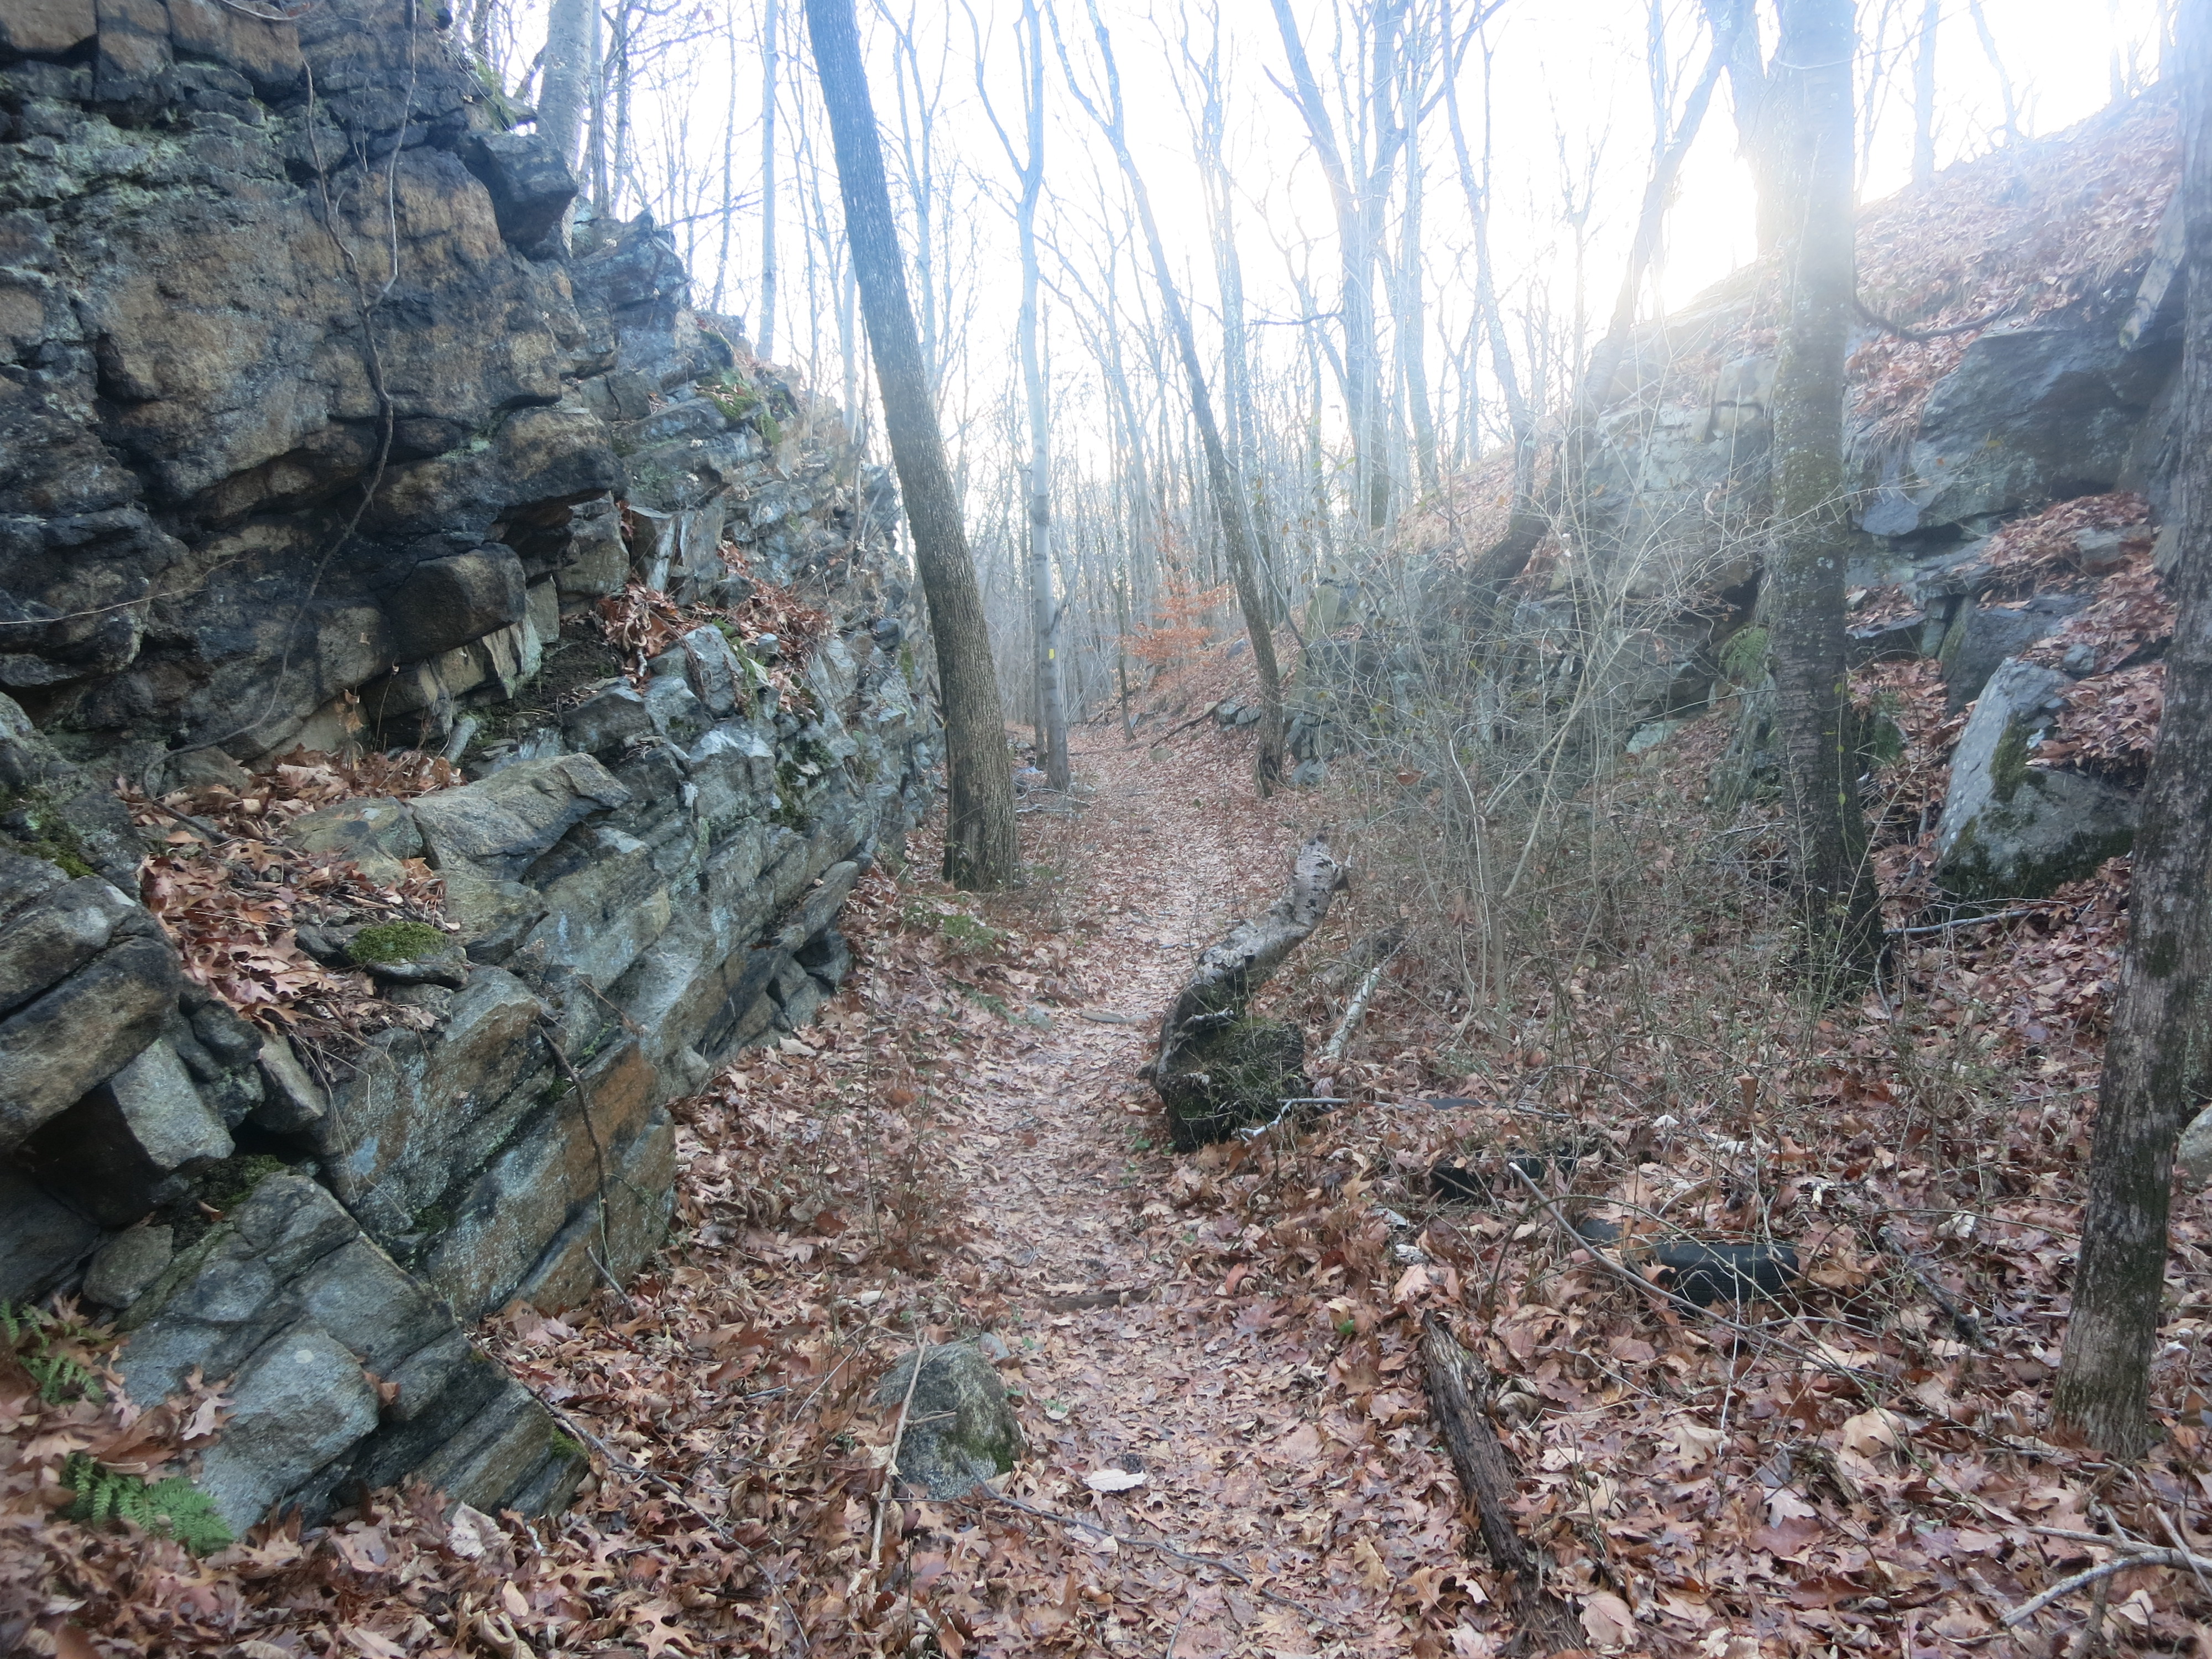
(1196,1384)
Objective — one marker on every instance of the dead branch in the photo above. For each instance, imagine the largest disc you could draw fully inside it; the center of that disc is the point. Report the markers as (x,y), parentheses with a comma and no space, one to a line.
(1334,1047)
(1458,1386)
(1231,970)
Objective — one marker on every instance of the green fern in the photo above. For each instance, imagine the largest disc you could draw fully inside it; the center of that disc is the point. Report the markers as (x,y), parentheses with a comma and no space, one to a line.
(174,1508)
(60,1376)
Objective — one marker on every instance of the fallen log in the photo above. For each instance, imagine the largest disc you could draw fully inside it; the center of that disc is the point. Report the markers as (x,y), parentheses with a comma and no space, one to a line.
(1458,1385)
(1217,1068)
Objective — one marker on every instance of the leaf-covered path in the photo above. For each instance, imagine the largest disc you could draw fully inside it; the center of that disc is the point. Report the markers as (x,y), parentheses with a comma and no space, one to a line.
(1196,1379)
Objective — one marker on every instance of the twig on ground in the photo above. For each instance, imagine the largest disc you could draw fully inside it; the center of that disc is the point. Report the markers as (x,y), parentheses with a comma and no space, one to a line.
(639,1473)
(889,1493)
(1962,1319)
(1958,922)
(2128,1555)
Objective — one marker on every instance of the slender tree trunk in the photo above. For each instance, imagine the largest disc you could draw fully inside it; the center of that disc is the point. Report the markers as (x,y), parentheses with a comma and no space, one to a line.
(1220,477)
(1526,526)
(1052,688)
(1411,327)
(2158,1060)
(1753,88)
(982,850)
(1924,94)
(1669,151)
(2005,98)
(595,147)
(1835,884)
(771,26)
(564,99)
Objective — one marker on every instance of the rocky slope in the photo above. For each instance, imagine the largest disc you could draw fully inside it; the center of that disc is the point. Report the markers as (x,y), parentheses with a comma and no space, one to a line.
(2008,468)
(326,429)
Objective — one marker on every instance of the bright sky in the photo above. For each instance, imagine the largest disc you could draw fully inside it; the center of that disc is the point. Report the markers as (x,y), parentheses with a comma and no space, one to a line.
(1570,103)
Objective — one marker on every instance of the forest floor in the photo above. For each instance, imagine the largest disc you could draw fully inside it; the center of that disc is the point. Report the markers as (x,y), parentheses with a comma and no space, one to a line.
(962,1150)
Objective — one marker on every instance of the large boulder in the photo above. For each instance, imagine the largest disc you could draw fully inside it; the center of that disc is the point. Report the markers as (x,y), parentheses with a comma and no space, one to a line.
(502,824)
(2013,830)
(2034,412)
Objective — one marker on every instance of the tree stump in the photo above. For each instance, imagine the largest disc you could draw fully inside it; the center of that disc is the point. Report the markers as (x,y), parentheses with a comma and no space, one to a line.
(1218,1068)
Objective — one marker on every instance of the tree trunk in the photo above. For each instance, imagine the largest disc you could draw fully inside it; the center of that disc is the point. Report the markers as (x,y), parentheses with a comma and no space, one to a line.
(1924,94)
(980,847)
(1805,573)
(1755,89)
(1217,1068)
(1044,608)
(1220,476)
(764,335)
(563,100)
(2158,1060)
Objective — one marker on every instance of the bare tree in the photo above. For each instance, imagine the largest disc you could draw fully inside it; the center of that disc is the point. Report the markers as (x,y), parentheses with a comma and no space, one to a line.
(2157,1060)
(2005,98)
(1111,121)
(1359,168)
(1924,92)
(564,102)
(1811,81)
(1027,163)
(771,29)
(981,849)
(1753,90)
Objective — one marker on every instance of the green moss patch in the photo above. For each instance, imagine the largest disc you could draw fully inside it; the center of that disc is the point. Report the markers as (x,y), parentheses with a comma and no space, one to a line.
(1226,1079)
(398,941)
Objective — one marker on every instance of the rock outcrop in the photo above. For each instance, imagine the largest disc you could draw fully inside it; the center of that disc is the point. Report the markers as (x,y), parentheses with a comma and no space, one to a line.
(328,425)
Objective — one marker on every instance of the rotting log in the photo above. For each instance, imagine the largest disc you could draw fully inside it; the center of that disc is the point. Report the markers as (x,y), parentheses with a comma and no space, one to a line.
(1217,1067)
(1458,1386)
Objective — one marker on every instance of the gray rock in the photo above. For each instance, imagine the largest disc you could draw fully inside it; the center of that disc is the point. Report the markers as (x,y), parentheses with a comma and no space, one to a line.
(127,1264)
(171,1123)
(450,601)
(82,1031)
(1985,634)
(799,1008)
(371,831)
(717,678)
(287,1297)
(42,1239)
(2034,412)
(298,1402)
(960,1430)
(51,926)
(1310,772)
(292,1102)
(828,957)
(2192,1156)
(500,826)
(608,722)
(531,186)
(676,713)
(2011,830)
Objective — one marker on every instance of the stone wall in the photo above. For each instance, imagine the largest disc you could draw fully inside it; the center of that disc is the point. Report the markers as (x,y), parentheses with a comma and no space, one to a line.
(325,423)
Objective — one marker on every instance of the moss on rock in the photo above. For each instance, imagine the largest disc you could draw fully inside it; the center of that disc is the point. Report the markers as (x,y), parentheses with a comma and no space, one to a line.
(398,941)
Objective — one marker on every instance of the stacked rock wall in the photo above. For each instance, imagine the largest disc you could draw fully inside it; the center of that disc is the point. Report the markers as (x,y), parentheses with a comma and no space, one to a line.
(324,424)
